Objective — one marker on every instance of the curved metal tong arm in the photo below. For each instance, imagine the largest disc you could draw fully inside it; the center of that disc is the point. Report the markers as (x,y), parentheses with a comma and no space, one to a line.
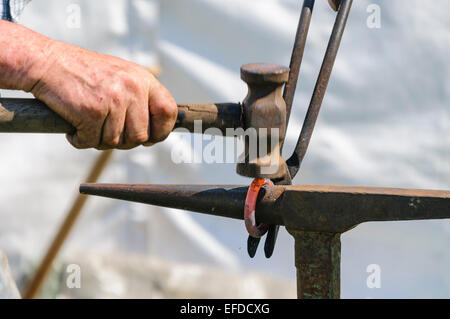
(296,158)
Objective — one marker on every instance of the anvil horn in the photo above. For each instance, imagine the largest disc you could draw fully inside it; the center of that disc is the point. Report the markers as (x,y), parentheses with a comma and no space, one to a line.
(218,200)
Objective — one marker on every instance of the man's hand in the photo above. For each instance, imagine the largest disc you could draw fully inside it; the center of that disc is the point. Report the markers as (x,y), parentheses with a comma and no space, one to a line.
(111,102)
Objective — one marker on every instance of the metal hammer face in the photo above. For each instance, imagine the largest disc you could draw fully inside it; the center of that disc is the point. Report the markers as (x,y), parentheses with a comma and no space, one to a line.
(264,114)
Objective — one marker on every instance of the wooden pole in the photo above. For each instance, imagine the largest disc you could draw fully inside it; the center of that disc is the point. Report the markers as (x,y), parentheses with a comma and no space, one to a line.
(41,273)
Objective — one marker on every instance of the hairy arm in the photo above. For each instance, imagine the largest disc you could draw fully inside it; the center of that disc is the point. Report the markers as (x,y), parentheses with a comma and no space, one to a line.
(111,102)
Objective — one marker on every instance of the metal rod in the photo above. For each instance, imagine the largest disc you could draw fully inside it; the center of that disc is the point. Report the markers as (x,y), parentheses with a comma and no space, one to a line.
(297,55)
(296,159)
(35,283)
(33,116)
(318,263)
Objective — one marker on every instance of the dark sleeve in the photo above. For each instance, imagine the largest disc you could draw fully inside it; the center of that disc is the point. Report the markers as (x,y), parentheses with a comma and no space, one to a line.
(5,9)
(11,9)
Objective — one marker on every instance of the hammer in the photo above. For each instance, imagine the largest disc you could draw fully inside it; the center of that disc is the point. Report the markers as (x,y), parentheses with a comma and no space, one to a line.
(262,114)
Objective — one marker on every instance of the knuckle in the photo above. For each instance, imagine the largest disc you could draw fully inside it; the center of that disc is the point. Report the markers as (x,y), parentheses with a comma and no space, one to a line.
(115,93)
(132,84)
(137,138)
(166,111)
(111,141)
(132,81)
(86,136)
(95,112)
(115,141)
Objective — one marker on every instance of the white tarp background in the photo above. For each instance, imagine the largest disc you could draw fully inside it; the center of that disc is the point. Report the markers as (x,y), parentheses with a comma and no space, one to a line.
(384,122)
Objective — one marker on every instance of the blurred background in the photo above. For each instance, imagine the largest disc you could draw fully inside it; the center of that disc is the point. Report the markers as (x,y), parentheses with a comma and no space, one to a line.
(384,122)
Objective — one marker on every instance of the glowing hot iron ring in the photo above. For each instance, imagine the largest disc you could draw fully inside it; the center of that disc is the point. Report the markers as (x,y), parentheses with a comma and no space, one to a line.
(254,230)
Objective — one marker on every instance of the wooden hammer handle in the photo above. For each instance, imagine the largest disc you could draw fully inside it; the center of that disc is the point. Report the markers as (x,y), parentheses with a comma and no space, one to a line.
(33,116)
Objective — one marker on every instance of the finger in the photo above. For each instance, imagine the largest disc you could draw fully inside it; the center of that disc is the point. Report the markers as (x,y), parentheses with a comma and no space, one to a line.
(104,148)
(113,129)
(163,113)
(123,144)
(148,144)
(136,126)
(86,136)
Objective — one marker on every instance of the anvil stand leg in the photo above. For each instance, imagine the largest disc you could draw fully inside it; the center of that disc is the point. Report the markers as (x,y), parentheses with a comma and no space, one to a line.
(318,263)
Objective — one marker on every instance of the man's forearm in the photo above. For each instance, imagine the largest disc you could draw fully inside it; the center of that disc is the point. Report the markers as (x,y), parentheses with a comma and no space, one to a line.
(112,103)
(24,56)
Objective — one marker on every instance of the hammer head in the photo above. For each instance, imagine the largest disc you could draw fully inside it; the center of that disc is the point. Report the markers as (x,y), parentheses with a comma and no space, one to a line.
(264,112)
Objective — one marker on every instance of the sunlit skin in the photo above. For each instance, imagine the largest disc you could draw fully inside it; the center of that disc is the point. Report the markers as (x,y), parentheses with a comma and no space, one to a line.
(111,102)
